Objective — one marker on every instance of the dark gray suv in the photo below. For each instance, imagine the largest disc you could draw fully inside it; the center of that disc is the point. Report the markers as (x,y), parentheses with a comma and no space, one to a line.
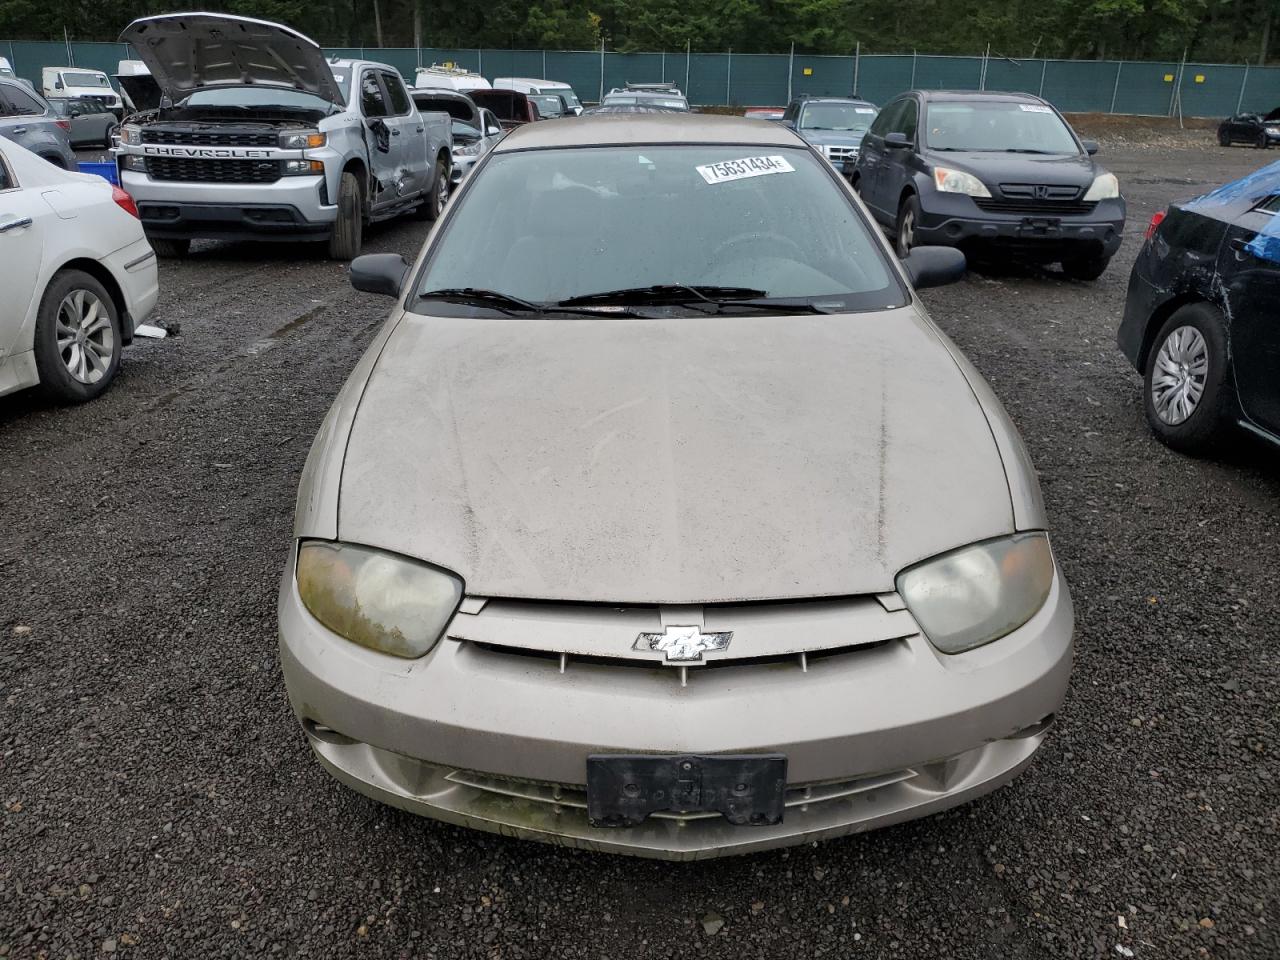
(26,119)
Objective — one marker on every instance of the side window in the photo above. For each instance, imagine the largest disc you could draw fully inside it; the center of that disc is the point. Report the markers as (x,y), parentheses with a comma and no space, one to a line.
(395,89)
(6,179)
(1272,205)
(24,105)
(884,122)
(793,111)
(5,109)
(372,103)
(906,121)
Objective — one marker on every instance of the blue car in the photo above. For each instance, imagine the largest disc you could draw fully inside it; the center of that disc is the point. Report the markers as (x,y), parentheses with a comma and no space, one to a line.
(833,125)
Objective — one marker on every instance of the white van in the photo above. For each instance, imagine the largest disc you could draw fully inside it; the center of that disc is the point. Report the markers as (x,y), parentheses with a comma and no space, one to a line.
(81,82)
(531,86)
(448,77)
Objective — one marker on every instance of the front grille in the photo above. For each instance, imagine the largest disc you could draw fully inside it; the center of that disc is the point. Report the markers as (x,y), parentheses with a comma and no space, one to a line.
(208,138)
(1036,198)
(213,171)
(841,154)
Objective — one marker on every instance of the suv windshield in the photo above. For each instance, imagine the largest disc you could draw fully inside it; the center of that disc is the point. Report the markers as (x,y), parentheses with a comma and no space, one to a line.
(666,103)
(996,126)
(549,225)
(846,117)
(548,106)
(72,79)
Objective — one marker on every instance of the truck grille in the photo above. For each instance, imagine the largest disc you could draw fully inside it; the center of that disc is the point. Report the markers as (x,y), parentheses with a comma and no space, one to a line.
(838,155)
(208,138)
(1034,198)
(213,171)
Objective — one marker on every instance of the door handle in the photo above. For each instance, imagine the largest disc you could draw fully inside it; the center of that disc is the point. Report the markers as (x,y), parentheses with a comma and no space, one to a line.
(1241,246)
(395,131)
(18,224)
(18,130)
(420,129)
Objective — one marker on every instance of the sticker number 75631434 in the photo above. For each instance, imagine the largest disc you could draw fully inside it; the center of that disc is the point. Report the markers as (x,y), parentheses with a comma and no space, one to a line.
(727,170)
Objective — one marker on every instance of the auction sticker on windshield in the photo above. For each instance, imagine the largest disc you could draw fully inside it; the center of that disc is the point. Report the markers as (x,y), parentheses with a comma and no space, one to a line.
(727,170)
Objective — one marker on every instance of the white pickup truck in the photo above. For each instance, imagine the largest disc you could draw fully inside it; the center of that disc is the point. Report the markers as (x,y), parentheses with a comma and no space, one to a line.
(257,136)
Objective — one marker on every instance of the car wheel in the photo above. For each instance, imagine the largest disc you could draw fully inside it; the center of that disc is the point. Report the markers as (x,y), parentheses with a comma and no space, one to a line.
(77,338)
(1224,138)
(438,193)
(1085,268)
(1262,142)
(908,221)
(170,249)
(348,231)
(108,134)
(1187,385)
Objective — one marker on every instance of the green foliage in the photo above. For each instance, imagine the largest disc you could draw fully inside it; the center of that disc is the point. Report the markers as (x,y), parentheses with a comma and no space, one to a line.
(1229,30)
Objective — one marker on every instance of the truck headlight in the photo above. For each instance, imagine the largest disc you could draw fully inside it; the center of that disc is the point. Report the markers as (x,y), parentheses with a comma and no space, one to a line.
(135,162)
(131,135)
(379,600)
(977,594)
(467,149)
(957,181)
(302,140)
(300,168)
(1104,187)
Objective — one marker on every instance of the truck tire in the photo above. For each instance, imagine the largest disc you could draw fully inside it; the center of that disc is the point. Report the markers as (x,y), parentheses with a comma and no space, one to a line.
(77,338)
(348,231)
(437,193)
(170,249)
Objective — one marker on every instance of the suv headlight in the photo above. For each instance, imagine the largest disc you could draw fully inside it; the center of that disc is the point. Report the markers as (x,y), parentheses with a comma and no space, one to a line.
(468,149)
(131,134)
(957,181)
(1105,187)
(379,600)
(977,594)
(302,140)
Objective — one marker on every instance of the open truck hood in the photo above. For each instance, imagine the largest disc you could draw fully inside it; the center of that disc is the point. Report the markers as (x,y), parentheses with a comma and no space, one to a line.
(186,52)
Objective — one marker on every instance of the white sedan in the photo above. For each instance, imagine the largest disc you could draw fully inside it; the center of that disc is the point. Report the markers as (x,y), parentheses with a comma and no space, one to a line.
(79,277)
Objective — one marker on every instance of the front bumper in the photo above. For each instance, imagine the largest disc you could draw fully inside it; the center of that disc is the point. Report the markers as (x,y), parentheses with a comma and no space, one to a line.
(462,164)
(499,742)
(954,219)
(286,209)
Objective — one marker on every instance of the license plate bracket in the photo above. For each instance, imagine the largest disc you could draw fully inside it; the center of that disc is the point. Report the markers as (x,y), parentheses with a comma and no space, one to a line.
(1041,226)
(623,790)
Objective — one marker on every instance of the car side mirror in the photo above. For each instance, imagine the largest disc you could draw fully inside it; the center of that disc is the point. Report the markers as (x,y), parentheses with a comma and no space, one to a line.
(57,84)
(1090,146)
(379,273)
(897,141)
(788,123)
(930,266)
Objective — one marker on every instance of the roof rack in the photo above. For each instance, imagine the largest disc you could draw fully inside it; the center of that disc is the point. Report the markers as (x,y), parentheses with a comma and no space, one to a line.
(653,87)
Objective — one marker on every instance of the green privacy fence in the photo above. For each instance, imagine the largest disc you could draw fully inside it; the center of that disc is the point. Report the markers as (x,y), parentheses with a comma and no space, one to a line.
(1106,86)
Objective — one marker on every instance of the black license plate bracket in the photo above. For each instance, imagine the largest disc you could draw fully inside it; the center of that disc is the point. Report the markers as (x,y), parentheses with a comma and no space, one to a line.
(623,790)
(1041,226)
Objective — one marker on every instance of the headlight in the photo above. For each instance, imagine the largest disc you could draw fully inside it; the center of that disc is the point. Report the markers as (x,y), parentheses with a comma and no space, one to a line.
(379,600)
(957,181)
(1273,131)
(467,150)
(131,134)
(298,168)
(302,140)
(133,161)
(1105,187)
(977,594)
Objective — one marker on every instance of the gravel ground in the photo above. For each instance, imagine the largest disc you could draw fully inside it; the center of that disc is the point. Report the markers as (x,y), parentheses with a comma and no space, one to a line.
(157,799)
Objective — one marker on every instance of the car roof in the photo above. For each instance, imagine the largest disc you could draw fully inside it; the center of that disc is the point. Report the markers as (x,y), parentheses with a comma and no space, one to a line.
(833,99)
(1007,96)
(673,128)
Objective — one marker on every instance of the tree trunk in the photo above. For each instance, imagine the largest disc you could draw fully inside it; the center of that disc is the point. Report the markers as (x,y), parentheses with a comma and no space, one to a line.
(1266,35)
(377,23)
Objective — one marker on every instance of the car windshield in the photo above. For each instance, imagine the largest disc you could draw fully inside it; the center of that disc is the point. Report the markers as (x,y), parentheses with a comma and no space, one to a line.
(550,225)
(570,97)
(74,79)
(666,103)
(258,98)
(343,78)
(548,106)
(997,126)
(846,117)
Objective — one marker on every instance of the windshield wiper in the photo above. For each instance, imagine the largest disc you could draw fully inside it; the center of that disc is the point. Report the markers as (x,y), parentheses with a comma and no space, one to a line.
(1024,150)
(664,293)
(508,304)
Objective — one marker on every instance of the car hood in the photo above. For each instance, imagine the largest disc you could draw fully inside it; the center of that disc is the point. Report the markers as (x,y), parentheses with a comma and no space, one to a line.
(832,138)
(671,461)
(1077,170)
(186,52)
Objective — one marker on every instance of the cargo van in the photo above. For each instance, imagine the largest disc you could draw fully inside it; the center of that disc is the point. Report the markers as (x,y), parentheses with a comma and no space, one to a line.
(83,83)
(448,77)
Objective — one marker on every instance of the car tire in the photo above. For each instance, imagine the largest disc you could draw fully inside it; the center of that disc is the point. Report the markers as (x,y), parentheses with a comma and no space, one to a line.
(170,249)
(1262,142)
(1224,138)
(1085,268)
(1200,344)
(348,231)
(77,338)
(905,226)
(438,193)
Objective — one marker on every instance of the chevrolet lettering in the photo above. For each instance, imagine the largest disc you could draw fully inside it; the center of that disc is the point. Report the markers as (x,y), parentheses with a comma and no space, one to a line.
(194,152)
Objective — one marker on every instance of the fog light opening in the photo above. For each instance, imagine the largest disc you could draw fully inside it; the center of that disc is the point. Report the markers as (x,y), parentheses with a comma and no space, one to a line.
(325,734)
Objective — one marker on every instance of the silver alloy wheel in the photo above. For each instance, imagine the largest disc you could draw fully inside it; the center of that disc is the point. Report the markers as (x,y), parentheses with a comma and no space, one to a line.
(86,339)
(1177,381)
(907,231)
(442,188)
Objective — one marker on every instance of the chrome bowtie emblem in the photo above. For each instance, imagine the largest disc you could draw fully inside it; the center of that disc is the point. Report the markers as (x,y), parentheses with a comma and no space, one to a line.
(683,644)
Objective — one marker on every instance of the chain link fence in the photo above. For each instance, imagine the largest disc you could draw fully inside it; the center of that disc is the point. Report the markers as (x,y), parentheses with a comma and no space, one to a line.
(734,79)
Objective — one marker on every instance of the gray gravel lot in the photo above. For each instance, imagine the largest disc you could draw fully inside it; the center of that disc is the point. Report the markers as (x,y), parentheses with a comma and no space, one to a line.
(157,799)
